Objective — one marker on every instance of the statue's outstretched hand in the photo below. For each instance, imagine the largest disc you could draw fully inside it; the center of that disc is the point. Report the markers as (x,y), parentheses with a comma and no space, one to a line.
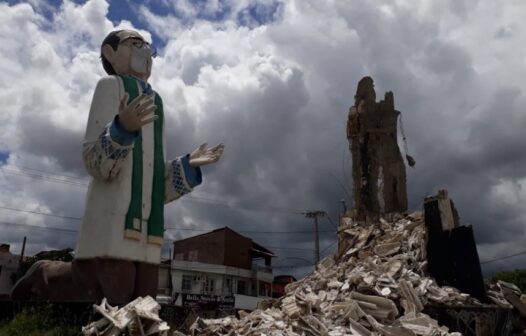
(140,112)
(202,155)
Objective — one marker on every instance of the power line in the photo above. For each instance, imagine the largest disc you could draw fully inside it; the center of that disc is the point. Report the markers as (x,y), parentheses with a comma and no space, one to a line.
(187,229)
(196,199)
(502,258)
(339,183)
(308,265)
(292,266)
(166,228)
(77,180)
(50,173)
(305,274)
(308,262)
(169,240)
(332,223)
(40,213)
(325,249)
(43,177)
(233,206)
(289,248)
(20,225)
(204,269)
(250,207)
(242,231)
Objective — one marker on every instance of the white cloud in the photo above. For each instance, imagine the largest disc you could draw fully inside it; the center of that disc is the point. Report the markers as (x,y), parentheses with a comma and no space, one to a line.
(278,96)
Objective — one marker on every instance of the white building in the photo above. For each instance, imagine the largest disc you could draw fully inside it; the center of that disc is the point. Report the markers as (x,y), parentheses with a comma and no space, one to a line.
(220,270)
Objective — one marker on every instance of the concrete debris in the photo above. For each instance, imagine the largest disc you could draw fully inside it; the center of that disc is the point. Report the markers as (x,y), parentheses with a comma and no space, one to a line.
(139,317)
(377,287)
(508,295)
(376,306)
(411,302)
(388,249)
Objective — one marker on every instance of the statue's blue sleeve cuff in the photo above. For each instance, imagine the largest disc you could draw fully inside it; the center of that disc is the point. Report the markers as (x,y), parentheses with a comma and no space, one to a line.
(193,175)
(121,135)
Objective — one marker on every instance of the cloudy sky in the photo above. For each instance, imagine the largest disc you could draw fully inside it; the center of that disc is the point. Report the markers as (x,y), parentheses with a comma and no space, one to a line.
(273,80)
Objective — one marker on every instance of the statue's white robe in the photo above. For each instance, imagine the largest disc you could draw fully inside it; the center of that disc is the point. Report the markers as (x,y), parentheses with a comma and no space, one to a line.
(108,157)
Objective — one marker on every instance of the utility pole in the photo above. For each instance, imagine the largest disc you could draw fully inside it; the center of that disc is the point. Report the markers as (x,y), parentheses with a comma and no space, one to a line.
(315,214)
(23,251)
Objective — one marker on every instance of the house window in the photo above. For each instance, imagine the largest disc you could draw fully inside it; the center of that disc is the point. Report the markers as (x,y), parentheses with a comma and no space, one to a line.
(186,284)
(208,286)
(192,255)
(179,256)
(242,287)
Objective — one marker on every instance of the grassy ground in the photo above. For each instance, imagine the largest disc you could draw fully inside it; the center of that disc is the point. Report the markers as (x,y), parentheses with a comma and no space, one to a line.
(31,324)
(45,320)
(48,319)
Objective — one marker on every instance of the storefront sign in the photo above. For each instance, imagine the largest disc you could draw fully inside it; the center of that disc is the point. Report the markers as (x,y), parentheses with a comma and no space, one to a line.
(208,302)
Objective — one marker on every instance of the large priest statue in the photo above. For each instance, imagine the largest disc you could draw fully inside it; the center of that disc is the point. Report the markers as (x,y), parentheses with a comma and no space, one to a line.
(119,244)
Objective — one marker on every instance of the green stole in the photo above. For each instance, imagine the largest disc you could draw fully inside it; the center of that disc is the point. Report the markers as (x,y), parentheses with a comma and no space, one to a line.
(133,221)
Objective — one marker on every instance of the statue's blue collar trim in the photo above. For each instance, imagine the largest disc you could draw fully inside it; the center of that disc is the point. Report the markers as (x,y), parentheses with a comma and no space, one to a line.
(145,86)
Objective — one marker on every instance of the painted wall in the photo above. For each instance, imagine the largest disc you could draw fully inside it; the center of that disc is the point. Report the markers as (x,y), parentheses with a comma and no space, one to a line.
(8,266)
(207,248)
(220,247)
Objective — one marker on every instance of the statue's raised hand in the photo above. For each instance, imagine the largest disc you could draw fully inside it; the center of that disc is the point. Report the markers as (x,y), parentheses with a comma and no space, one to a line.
(140,112)
(202,155)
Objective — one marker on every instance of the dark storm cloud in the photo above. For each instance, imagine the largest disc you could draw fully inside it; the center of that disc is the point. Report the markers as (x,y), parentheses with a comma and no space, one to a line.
(295,159)
(278,97)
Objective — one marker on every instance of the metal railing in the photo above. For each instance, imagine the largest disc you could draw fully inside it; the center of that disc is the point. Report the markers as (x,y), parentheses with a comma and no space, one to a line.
(262,268)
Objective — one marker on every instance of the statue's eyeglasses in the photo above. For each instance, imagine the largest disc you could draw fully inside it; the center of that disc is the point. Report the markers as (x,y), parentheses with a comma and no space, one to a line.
(139,44)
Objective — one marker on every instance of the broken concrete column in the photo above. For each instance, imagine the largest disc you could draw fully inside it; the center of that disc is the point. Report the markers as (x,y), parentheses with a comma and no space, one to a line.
(379,178)
(451,250)
(443,210)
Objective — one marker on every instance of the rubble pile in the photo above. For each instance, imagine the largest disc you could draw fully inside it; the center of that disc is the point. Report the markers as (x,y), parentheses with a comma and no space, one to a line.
(139,317)
(507,295)
(377,287)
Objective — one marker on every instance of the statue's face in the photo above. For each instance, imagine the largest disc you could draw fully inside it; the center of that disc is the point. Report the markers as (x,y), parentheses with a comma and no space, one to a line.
(132,57)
